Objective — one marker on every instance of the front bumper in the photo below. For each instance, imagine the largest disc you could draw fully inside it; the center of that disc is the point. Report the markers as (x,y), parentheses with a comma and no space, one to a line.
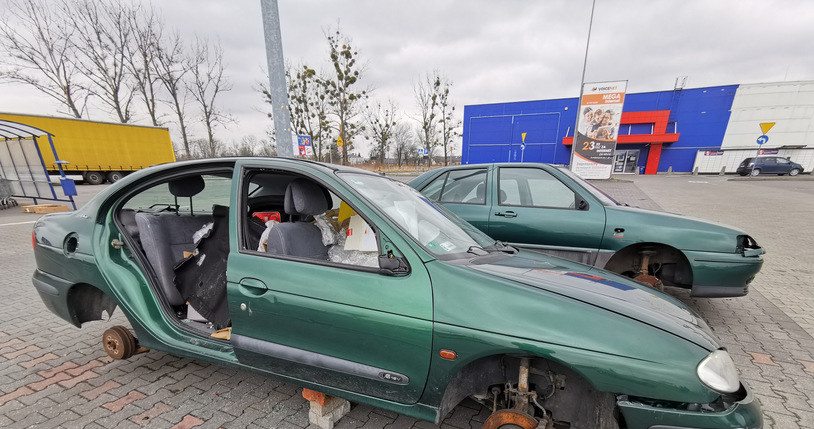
(744,414)
(723,274)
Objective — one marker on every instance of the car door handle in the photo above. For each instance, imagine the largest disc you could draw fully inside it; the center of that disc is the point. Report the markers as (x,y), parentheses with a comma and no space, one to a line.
(254,284)
(506,214)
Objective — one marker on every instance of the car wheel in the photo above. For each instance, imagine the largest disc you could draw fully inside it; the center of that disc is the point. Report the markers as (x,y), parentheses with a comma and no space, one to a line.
(119,343)
(94,178)
(755,172)
(114,176)
(794,172)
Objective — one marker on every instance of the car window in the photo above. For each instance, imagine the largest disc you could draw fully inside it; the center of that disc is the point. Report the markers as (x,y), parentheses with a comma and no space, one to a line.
(509,192)
(769,161)
(216,191)
(783,161)
(435,228)
(433,190)
(334,233)
(465,186)
(536,188)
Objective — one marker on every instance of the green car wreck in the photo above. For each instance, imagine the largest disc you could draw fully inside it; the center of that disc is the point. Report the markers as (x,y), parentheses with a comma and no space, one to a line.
(550,209)
(355,285)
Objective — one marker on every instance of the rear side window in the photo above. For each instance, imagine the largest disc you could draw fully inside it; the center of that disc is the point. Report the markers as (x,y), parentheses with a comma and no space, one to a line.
(216,190)
(465,187)
(782,161)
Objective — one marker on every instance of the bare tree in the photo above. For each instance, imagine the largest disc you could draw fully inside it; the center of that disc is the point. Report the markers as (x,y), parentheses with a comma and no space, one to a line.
(147,30)
(344,97)
(448,121)
(172,68)
(403,143)
(382,121)
(209,81)
(102,38)
(426,91)
(38,43)
(308,105)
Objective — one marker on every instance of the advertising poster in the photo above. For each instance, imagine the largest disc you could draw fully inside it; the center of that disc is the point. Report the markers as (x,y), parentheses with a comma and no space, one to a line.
(304,147)
(600,110)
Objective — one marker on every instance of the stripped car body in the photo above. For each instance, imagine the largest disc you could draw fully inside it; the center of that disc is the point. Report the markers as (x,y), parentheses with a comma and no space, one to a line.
(550,209)
(436,321)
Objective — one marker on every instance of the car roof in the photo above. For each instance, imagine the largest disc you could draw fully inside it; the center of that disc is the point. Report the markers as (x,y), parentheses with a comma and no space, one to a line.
(292,161)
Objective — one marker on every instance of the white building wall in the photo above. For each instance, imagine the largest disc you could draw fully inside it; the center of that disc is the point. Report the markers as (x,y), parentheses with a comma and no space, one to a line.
(712,161)
(789,104)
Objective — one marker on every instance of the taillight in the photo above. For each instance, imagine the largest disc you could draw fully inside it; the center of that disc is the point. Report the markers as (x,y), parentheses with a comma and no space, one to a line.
(33,240)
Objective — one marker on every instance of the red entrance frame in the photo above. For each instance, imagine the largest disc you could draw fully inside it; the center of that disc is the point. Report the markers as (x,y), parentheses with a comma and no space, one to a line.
(657,138)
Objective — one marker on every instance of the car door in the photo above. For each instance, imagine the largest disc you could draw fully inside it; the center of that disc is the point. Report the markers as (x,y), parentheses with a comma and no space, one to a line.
(768,165)
(464,192)
(783,165)
(535,208)
(334,324)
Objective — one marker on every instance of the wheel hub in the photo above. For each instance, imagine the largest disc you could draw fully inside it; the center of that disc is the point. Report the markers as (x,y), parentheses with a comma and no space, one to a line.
(507,419)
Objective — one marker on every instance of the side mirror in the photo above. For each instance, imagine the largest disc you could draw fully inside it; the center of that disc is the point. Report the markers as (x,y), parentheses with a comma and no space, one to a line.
(582,205)
(391,265)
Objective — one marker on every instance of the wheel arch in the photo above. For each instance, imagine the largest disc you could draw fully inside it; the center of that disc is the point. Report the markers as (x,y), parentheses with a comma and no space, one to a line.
(480,373)
(87,303)
(626,258)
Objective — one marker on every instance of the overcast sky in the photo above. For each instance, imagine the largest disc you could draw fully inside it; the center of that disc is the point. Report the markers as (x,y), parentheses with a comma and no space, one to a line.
(495,51)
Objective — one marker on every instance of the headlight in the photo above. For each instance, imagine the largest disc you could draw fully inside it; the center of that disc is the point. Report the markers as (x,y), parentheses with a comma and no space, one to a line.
(718,372)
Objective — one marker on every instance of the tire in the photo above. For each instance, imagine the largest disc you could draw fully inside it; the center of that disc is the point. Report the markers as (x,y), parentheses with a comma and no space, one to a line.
(94,177)
(755,172)
(794,172)
(114,176)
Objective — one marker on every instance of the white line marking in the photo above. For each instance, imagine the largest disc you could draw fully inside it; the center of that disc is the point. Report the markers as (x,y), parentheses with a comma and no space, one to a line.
(18,223)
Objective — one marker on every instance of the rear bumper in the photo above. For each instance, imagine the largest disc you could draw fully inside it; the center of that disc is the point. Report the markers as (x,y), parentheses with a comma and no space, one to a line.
(722,274)
(53,291)
(744,414)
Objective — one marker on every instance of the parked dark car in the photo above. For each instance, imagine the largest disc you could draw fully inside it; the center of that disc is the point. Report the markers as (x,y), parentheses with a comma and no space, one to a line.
(550,209)
(356,285)
(769,165)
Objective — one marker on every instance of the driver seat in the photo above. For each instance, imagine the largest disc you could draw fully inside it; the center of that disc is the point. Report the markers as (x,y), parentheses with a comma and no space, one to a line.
(303,199)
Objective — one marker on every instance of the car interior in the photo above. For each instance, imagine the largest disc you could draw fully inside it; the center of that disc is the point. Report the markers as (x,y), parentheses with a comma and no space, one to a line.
(181,227)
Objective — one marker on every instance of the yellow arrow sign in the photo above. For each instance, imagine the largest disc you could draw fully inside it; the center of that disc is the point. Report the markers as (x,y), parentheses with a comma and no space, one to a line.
(339,141)
(523,137)
(766,126)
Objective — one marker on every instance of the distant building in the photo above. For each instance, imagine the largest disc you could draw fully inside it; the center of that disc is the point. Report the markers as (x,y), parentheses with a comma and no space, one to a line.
(706,128)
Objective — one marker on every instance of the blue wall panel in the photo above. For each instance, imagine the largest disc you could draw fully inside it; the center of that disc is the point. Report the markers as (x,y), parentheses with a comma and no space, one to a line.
(492,131)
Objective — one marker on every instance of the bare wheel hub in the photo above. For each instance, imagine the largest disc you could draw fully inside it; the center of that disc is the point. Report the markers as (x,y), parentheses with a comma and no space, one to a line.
(506,419)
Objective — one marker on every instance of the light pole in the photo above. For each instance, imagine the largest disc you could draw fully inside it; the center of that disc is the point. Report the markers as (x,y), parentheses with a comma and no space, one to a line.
(582,80)
(277,85)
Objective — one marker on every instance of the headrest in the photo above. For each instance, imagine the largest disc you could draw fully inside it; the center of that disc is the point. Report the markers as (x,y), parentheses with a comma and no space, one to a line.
(304,197)
(187,186)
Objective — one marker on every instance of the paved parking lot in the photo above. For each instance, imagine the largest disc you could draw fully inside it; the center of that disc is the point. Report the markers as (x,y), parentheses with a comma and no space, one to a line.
(54,375)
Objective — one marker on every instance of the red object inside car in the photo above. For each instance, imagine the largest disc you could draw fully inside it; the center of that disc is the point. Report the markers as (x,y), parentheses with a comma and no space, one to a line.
(267,216)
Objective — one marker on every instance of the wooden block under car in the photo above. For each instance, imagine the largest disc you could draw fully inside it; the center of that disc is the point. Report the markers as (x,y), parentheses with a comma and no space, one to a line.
(44,208)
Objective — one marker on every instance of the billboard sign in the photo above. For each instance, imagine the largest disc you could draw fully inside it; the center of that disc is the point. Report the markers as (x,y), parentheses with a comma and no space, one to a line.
(600,111)
(304,147)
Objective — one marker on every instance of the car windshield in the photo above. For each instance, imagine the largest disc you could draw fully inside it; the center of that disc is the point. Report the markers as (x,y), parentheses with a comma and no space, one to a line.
(440,231)
(593,190)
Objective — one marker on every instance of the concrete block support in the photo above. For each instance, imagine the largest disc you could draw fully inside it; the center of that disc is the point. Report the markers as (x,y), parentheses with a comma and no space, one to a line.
(325,410)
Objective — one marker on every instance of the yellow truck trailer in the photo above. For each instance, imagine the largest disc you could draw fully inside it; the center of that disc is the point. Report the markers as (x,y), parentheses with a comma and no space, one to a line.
(99,151)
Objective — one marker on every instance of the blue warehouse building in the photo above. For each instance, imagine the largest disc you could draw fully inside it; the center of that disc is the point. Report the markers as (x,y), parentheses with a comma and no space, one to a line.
(658,130)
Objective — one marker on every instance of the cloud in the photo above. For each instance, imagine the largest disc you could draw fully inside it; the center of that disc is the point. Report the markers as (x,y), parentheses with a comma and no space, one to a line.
(498,51)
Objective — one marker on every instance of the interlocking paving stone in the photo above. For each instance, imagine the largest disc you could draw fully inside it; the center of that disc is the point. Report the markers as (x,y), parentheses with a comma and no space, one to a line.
(76,379)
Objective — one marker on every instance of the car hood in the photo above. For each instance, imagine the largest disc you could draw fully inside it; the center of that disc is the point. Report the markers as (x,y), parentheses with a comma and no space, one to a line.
(602,289)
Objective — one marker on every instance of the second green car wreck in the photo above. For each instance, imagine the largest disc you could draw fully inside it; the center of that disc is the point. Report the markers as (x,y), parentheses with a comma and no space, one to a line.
(358,286)
(550,209)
